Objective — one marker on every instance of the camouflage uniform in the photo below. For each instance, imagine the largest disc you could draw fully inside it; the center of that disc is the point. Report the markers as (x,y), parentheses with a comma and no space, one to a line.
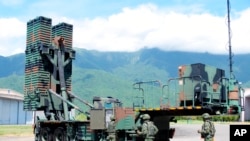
(206,128)
(144,129)
(111,130)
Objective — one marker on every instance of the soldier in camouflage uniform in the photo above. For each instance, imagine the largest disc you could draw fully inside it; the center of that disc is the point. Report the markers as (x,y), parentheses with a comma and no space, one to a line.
(207,131)
(111,129)
(145,133)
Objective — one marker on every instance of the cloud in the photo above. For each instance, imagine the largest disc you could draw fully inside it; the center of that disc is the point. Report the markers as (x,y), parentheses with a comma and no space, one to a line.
(144,26)
(11,2)
(241,32)
(149,26)
(12,36)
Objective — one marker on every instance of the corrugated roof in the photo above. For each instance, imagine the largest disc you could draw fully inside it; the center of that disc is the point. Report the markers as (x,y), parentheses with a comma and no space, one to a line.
(10,94)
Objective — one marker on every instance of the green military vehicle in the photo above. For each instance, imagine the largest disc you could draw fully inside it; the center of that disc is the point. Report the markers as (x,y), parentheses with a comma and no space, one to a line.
(49,54)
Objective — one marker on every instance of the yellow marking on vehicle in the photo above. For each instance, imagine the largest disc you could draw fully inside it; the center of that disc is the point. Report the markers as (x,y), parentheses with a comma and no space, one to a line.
(197,107)
(172,108)
(180,108)
(158,109)
(137,109)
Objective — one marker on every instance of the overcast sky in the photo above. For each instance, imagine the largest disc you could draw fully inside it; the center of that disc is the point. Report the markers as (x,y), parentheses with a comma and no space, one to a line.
(129,25)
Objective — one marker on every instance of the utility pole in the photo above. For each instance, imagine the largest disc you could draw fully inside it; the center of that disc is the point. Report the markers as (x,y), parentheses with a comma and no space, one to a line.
(229,40)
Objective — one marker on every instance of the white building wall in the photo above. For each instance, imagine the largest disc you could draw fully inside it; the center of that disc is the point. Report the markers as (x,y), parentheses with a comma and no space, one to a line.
(247,104)
(25,117)
(5,109)
(12,112)
(247,108)
(6,112)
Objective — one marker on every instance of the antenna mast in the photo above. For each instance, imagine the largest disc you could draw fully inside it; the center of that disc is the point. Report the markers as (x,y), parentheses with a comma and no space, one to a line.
(229,40)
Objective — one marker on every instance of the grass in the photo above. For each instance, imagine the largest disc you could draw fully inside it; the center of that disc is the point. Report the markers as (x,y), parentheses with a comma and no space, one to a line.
(187,122)
(200,122)
(16,130)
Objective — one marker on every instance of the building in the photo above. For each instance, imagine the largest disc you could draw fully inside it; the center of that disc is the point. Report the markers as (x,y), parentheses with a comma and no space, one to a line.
(247,104)
(11,108)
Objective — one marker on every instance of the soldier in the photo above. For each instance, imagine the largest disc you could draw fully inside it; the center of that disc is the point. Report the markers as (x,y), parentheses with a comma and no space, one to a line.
(111,129)
(148,130)
(208,130)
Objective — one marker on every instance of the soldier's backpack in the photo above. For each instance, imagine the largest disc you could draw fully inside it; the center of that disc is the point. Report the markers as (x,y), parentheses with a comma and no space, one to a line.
(152,129)
(212,129)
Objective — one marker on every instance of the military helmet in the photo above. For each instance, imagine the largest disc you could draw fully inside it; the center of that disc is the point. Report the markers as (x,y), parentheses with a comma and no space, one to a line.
(205,116)
(146,116)
(112,117)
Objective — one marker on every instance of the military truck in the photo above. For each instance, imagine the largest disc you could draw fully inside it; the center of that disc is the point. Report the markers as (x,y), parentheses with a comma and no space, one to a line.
(198,88)
(47,89)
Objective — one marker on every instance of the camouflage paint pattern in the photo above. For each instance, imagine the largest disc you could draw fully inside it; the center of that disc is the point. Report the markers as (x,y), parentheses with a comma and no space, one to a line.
(198,88)
(197,82)
(64,30)
(41,72)
(206,86)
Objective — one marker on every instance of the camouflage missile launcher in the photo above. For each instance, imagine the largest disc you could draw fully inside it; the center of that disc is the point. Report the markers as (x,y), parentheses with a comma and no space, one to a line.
(200,83)
(36,71)
(64,30)
(198,88)
(41,73)
(206,86)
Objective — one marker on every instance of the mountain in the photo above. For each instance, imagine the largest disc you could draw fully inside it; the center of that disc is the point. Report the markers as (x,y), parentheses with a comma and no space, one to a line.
(113,73)
(12,65)
(166,61)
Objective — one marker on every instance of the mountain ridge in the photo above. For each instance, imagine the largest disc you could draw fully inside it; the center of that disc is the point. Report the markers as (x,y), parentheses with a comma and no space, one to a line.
(126,67)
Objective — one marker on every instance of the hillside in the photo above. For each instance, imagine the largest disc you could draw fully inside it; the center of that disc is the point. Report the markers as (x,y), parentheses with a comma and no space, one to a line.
(113,73)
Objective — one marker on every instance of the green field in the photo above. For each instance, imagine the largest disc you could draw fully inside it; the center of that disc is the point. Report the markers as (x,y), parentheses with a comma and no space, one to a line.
(17,130)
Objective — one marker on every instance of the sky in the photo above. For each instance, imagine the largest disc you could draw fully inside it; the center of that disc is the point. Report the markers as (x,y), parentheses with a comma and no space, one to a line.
(130,25)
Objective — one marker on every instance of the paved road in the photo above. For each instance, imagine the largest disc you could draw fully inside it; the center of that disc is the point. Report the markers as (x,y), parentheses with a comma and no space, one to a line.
(183,132)
(188,132)
(17,138)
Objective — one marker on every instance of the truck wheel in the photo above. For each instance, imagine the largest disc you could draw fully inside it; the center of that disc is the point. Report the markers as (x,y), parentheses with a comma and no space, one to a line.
(59,134)
(44,134)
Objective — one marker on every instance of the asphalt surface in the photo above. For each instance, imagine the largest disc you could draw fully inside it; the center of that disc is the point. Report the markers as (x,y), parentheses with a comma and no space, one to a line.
(183,132)
(188,132)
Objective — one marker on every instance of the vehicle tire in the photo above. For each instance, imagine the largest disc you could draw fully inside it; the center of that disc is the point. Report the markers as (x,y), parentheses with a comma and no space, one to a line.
(59,134)
(45,134)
